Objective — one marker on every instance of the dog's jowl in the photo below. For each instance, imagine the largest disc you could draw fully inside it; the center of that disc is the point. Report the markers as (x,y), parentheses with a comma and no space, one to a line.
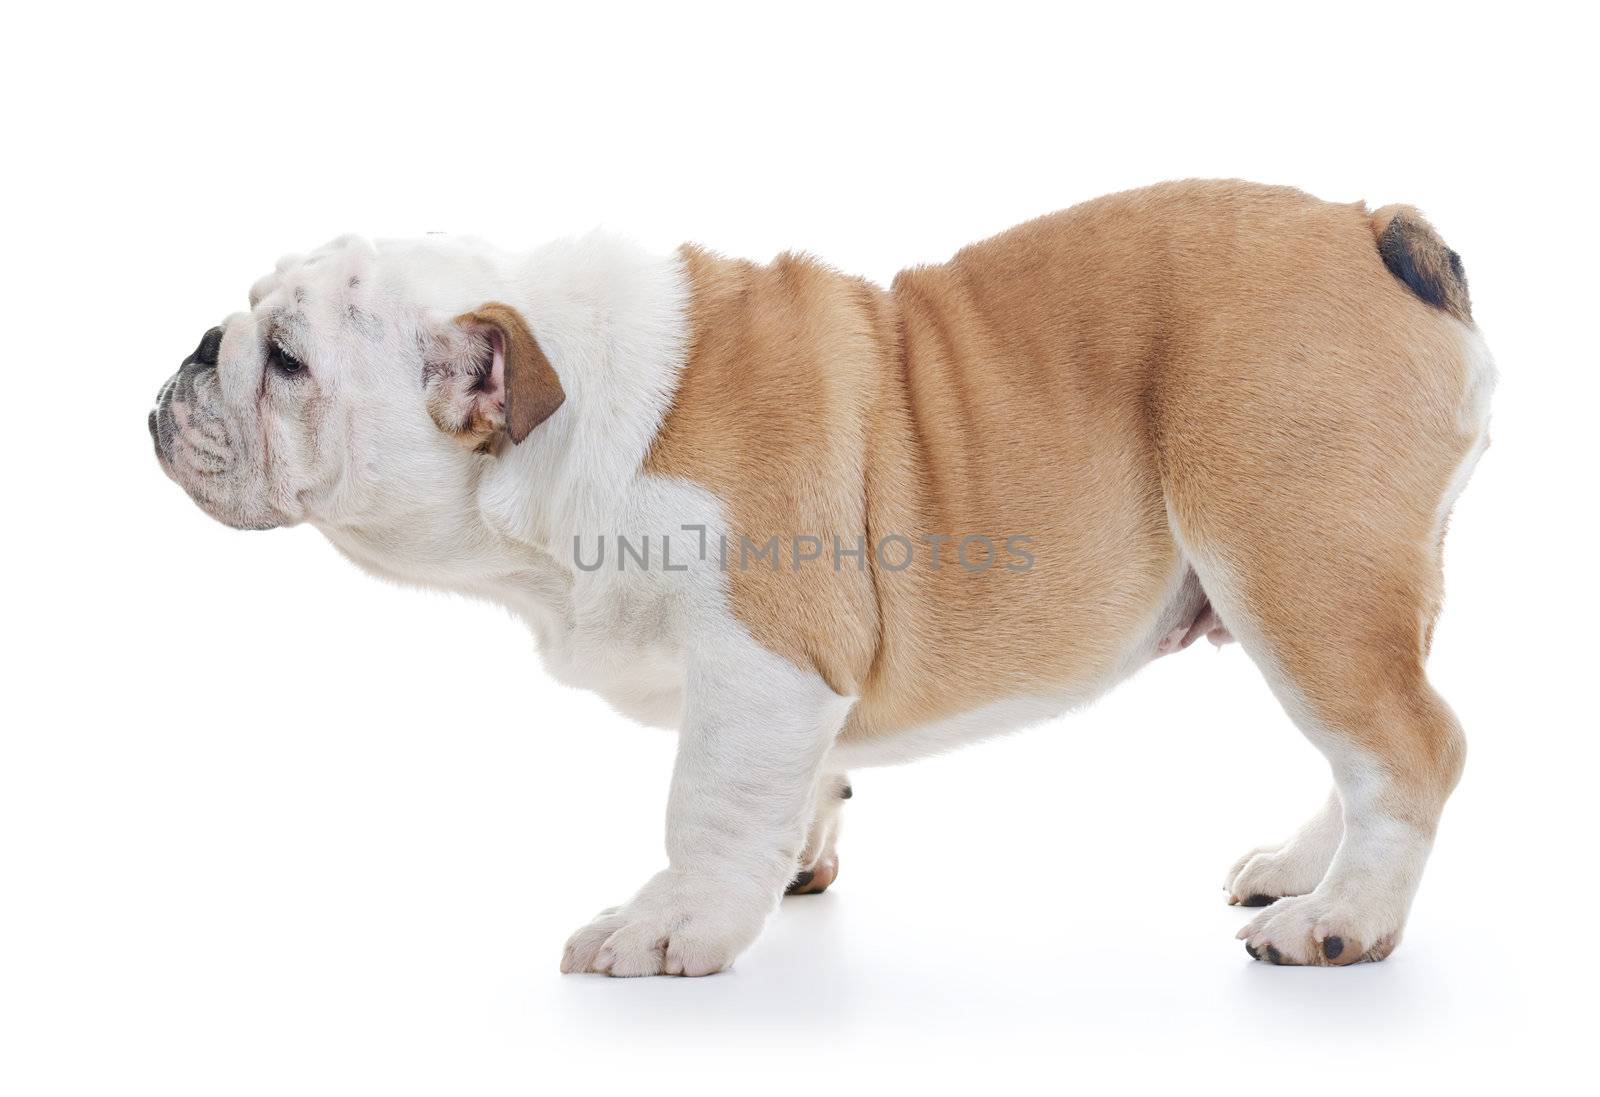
(812,523)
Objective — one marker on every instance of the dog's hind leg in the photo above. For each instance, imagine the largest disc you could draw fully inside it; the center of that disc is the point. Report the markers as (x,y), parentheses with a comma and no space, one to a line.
(1265,875)
(819,860)
(1311,503)
(1341,636)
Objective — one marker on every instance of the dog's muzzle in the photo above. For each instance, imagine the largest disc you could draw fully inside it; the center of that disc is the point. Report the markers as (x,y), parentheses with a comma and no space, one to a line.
(195,448)
(177,397)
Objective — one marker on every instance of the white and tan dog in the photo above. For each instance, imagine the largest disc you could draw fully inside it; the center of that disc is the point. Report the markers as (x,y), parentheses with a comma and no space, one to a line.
(812,524)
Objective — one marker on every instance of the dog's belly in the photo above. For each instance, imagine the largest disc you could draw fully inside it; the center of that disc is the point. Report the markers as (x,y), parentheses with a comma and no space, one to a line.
(1185,615)
(939,736)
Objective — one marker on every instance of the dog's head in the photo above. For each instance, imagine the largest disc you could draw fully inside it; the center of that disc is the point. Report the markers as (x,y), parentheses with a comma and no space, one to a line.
(364,386)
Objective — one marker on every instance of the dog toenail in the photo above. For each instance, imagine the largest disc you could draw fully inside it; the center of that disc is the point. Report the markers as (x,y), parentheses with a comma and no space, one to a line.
(1254,955)
(1332,947)
(846,792)
(1259,900)
(802,880)
(1274,956)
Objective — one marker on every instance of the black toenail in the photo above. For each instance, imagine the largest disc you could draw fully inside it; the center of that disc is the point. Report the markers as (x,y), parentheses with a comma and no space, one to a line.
(803,880)
(1332,947)
(846,792)
(1254,955)
(1259,900)
(1274,956)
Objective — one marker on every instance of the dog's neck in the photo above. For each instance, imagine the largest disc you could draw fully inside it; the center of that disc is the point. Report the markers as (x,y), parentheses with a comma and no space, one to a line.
(612,319)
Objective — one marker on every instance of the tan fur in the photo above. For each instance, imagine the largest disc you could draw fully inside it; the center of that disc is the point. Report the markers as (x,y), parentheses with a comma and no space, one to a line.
(783,386)
(1209,374)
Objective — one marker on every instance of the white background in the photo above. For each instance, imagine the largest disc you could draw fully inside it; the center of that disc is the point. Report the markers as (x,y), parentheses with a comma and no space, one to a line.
(269,826)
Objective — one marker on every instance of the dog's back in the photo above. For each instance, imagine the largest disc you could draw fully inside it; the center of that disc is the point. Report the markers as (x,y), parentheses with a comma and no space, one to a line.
(1061,380)
(1010,432)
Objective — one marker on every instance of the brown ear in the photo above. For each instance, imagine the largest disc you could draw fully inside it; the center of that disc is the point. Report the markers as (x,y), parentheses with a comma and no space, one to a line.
(531,390)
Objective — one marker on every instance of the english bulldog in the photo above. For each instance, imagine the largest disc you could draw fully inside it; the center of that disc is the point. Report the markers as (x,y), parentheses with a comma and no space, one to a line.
(813,524)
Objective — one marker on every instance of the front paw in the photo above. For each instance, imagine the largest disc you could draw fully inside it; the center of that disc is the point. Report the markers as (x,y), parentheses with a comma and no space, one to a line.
(678,924)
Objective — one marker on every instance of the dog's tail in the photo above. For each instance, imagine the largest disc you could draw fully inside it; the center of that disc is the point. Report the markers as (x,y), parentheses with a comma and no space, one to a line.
(1419,257)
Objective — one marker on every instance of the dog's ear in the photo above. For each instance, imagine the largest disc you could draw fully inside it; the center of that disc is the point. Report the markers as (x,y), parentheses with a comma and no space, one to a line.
(484,373)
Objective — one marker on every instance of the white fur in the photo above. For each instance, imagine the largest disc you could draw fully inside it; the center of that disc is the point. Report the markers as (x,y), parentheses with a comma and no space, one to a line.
(1294,867)
(1473,417)
(1367,891)
(379,479)
(349,447)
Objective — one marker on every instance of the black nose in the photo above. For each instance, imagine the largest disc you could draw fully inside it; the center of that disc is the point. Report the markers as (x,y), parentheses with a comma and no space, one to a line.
(206,353)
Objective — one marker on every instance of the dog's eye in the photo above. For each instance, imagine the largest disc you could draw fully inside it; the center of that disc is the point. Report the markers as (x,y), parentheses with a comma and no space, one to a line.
(284,362)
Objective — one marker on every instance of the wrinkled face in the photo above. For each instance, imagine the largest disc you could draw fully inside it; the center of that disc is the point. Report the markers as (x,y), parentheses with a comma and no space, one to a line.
(359,390)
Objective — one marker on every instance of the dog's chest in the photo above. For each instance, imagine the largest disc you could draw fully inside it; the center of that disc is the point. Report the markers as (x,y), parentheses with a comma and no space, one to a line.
(613,641)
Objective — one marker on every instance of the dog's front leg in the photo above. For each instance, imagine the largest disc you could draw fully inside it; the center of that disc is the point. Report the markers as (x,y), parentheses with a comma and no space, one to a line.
(755,731)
